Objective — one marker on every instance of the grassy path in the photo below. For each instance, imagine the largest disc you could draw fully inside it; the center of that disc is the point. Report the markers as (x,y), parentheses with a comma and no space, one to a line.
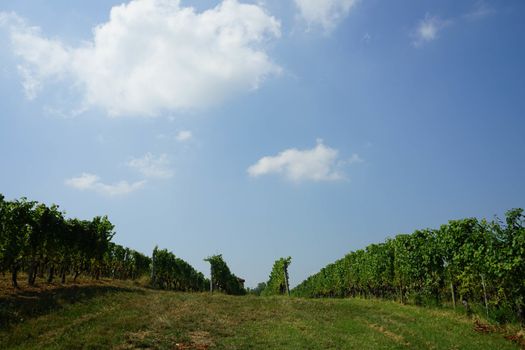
(130,318)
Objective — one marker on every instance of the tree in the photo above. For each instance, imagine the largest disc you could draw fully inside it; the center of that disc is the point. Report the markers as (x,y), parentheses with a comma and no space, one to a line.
(261,286)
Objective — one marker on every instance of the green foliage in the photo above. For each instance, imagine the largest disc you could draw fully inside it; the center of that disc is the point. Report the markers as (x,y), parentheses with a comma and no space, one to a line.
(125,263)
(261,286)
(170,272)
(223,279)
(38,239)
(467,259)
(17,220)
(278,282)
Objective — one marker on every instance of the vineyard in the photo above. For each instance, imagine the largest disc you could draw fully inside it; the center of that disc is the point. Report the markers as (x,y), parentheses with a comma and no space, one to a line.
(475,265)
(39,241)
(479,265)
(172,273)
(278,281)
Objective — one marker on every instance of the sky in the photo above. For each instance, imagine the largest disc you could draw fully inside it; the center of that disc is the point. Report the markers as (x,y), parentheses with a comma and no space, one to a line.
(264,129)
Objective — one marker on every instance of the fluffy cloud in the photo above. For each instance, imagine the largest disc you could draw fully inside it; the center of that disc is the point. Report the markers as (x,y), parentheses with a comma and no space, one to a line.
(184,135)
(427,29)
(49,57)
(154,55)
(91,182)
(324,13)
(149,166)
(317,164)
(152,167)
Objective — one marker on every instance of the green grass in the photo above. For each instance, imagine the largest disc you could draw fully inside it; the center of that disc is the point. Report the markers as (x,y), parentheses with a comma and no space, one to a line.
(128,317)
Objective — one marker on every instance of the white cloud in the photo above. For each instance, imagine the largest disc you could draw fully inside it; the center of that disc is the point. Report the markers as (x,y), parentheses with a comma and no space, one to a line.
(428,29)
(317,164)
(50,56)
(83,182)
(184,135)
(154,55)
(149,166)
(152,167)
(479,11)
(91,182)
(354,159)
(324,13)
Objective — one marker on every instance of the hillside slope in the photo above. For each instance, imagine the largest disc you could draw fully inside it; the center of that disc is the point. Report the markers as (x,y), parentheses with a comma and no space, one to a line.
(127,317)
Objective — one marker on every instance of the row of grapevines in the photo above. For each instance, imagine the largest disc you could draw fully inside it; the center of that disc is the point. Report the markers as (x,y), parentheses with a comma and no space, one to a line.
(39,240)
(223,279)
(478,263)
(278,281)
(170,272)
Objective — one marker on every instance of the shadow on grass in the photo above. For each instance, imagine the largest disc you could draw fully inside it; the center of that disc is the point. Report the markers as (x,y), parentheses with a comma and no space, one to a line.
(28,304)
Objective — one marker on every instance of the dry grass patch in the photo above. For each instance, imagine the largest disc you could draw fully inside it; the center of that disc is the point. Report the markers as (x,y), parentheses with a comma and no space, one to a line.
(396,337)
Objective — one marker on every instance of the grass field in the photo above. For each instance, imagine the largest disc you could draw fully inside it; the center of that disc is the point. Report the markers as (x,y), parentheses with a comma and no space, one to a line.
(124,316)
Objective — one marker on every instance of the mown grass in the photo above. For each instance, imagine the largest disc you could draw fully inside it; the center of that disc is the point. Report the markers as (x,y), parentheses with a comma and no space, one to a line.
(129,317)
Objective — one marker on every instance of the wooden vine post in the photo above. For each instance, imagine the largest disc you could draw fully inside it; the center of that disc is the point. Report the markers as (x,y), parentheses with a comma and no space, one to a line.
(211,277)
(286,285)
(445,263)
(485,294)
(453,296)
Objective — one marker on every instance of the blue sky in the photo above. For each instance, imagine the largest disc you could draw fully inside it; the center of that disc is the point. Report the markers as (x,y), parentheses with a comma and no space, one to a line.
(258,130)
